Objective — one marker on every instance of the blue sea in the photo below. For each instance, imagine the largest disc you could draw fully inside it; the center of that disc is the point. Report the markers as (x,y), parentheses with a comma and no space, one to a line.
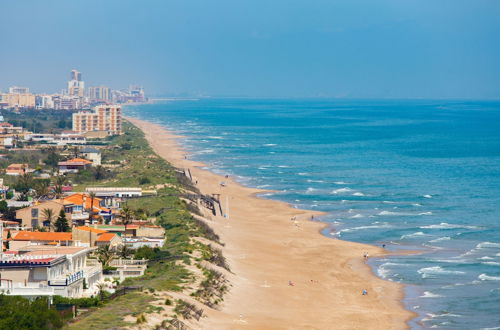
(411,174)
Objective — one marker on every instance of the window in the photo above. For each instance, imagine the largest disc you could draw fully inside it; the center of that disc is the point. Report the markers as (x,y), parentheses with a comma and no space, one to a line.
(34,213)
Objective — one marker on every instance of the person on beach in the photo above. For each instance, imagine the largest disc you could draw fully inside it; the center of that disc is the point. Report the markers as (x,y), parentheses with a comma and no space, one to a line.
(365,256)
(364,292)
(290,283)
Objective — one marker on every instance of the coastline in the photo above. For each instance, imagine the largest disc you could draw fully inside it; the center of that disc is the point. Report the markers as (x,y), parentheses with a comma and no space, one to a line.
(328,275)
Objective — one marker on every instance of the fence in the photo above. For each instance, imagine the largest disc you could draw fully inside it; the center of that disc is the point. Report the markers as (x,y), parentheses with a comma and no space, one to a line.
(123,290)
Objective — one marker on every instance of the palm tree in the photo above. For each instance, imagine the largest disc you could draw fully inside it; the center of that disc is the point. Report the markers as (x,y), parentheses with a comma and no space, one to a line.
(41,188)
(91,211)
(126,214)
(124,251)
(58,186)
(99,172)
(105,254)
(48,216)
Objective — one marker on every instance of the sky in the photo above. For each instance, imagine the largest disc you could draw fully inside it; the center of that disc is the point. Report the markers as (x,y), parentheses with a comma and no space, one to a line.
(256,48)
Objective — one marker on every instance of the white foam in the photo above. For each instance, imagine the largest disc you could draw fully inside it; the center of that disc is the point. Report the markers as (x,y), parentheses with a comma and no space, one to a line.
(270,144)
(365,227)
(357,216)
(440,239)
(444,225)
(428,294)
(283,166)
(425,213)
(303,173)
(340,182)
(429,272)
(341,190)
(358,194)
(416,204)
(417,234)
(215,137)
(315,181)
(491,263)
(427,196)
(484,245)
(484,277)
(310,190)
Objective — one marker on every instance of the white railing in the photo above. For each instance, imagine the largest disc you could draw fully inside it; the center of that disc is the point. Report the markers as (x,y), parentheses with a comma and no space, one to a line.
(127,262)
(67,280)
(31,289)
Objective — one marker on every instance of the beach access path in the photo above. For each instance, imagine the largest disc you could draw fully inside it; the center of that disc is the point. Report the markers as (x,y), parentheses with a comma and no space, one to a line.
(285,274)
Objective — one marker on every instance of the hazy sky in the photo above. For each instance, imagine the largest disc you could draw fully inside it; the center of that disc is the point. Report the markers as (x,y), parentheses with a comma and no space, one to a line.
(367,49)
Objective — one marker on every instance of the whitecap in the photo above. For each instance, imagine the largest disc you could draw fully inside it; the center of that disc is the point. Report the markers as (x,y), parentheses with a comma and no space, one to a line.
(388,202)
(416,204)
(315,181)
(357,216)
(484,245)
(427,196)
(341,190)
(303,173)
(270,144)
(365,227)
(445,238)
(491,263)
(283,166)
(417,234)
(484,277)
(358,194)
(310,190)
(340,182)
(215,137)
(430,272)
(428,294)
(425,213)
(444,225)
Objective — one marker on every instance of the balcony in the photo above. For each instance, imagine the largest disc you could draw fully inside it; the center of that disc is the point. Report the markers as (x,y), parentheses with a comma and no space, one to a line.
(28,290)
(68,280)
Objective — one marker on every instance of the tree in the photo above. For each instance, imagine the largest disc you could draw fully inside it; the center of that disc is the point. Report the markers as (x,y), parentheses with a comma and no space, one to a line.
(24,183)
(126,214)
(91,210)
(20,313)
(62,223)
(3,206)
(58,186)
(53,157)
(48,216)
(105,254)
(124,251)
(99,172)
(41,188)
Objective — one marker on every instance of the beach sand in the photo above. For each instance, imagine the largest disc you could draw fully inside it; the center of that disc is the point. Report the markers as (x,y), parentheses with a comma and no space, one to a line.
(267,252)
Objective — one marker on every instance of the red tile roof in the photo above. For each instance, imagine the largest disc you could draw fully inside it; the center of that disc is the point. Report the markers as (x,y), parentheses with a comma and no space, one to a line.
(42,236)
(106,237)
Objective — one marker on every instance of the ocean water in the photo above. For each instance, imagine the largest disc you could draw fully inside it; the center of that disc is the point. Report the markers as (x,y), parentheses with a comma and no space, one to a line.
(411,174)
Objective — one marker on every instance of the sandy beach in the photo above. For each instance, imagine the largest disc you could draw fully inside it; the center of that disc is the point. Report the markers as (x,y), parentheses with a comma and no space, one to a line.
(285,274)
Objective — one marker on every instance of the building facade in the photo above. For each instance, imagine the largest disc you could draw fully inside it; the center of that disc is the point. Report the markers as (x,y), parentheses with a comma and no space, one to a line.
(106,118)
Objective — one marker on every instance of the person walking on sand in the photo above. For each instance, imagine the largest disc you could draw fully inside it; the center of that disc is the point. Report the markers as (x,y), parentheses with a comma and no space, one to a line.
(364,292)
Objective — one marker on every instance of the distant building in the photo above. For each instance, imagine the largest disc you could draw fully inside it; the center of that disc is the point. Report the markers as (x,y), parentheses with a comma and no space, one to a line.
(76,87)
(18,90)
(17,100)
(99,94)
(106,118)
(17,169)
(43,101)
(73,165)
(92,154)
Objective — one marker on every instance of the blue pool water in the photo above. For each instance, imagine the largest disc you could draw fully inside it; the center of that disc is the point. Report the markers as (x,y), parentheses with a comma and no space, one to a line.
(419,175)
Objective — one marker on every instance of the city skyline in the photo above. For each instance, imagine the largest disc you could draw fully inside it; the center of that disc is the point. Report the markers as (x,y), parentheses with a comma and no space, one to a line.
(362,49)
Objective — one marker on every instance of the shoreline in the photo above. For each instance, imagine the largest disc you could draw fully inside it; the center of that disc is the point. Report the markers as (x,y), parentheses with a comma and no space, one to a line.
(308,280)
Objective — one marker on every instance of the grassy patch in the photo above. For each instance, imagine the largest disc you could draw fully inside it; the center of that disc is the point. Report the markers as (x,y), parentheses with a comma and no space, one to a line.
(111,315)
